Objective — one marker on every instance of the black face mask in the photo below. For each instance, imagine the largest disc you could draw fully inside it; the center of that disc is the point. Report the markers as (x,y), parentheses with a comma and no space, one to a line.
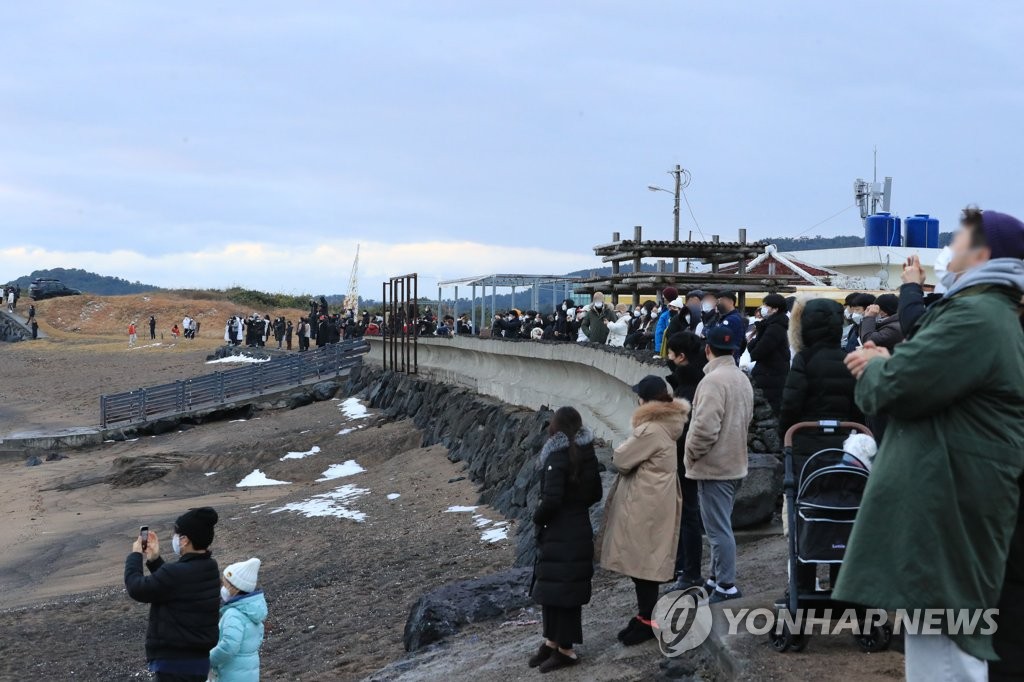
(722,309)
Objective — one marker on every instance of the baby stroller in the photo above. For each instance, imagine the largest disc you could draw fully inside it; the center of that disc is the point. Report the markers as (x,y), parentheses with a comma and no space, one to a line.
(822,499)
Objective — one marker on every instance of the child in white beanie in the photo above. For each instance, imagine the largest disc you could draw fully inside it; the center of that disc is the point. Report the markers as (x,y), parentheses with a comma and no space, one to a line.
(236,657)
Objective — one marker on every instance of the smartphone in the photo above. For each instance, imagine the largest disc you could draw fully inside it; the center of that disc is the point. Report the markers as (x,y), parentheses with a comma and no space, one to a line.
(144,537)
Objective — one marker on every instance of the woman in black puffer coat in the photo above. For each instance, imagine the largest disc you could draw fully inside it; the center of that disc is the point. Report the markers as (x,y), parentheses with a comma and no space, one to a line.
(770,350)
(570,485)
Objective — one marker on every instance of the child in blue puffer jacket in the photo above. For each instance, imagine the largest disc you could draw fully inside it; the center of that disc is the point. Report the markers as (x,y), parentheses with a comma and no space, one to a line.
(236,657)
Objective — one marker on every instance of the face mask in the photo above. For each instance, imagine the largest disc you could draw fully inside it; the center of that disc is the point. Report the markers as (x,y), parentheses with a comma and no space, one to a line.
(565,307)
(942,261)
(224,594)
(176,544)
(857,318)
(599,305)
(846,314)
(706,307)
(636,313)
(765,312)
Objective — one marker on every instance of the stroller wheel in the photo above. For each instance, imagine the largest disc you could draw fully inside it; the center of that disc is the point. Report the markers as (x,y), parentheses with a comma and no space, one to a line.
(878,639)
(783,641)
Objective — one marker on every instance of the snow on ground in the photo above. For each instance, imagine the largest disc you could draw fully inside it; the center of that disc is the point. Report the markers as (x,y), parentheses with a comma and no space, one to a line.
(393,496)
(258,478)
(236,358)
(345,432)
(334,503)
(349,468)
(302,455)
(496,534)
(353,409)
(212,473)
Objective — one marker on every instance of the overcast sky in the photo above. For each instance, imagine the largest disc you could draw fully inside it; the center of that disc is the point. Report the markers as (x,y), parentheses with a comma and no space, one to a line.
(211,143)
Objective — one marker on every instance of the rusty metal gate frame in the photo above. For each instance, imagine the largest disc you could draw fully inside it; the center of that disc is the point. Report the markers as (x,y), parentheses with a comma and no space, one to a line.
(401,312)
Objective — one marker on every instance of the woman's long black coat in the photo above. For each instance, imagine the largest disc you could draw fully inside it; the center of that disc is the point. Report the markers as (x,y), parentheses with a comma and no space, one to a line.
(565,537)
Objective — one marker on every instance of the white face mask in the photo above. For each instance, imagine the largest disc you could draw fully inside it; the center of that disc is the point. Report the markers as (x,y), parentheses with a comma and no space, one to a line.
(565,307)
(857,317)
(846,314)
(176,544)
(636,313)
(706,307)
(765,311)
(224,594)
(598,305)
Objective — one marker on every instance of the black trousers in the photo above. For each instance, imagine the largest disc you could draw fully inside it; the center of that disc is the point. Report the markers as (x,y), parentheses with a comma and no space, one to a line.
(646,597)
(691,546)
(563,625)
(177,677)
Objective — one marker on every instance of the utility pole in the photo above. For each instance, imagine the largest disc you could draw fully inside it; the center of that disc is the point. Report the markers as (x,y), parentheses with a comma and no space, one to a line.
(678,173)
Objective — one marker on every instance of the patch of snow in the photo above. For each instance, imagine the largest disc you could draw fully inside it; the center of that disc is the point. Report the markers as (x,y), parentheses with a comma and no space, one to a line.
(306,431)
(353,409)
(236,358)
(302,455)
(480,521)
(212,473)
(458,509)
(237,421)
(497,533)
(349,468)
(393,496)
(345,432)
(258,478)
(257,506)
(110,441)
(334,503)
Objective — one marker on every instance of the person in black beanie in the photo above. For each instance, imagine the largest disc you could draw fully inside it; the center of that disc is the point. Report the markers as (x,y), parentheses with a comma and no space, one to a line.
(184,598)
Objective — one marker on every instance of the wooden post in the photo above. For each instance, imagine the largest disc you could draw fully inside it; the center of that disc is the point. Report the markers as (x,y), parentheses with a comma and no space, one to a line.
(741,269)
(637,265)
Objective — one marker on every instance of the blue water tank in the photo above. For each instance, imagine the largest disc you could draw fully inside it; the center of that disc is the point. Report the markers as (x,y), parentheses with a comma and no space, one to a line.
(922,232)
(882,229)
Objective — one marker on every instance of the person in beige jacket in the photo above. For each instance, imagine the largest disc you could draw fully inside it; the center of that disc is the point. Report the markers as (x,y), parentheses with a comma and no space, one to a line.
(642,515)
(716,454)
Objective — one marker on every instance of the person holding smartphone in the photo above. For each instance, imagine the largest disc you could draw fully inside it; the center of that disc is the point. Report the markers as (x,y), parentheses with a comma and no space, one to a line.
(184,597)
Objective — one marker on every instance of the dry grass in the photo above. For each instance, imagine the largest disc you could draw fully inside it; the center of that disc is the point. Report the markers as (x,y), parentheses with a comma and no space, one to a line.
(101,322)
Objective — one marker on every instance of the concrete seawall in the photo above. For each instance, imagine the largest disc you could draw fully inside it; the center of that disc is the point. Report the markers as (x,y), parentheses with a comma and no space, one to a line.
(595,382)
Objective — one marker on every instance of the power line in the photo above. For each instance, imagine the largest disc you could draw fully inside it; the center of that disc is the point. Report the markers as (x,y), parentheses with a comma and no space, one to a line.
(822,222)
(690,209)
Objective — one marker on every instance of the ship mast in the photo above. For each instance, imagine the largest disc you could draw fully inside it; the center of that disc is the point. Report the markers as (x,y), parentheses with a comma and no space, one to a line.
(352,298)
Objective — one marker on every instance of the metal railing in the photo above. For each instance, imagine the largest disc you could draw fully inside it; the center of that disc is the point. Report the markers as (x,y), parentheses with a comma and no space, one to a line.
(221,388)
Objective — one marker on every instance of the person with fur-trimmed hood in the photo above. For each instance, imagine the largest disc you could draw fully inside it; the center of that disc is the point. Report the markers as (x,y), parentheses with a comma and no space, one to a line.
(598,314)
(570,484)
(645,504)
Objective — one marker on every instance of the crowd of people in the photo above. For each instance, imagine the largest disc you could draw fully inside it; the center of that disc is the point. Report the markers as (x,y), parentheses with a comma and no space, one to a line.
(938,376)
(11,294)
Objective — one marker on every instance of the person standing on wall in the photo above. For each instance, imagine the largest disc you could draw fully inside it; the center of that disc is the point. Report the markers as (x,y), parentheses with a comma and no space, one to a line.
(152,328)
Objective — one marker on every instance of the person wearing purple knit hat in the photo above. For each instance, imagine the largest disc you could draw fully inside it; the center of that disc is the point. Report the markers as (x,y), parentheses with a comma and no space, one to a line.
(937,526)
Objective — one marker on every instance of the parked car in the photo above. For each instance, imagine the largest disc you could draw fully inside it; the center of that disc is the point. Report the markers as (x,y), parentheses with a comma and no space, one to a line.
(50,288)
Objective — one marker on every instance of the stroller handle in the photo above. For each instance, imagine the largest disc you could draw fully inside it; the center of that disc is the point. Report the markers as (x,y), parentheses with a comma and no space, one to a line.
(787,441)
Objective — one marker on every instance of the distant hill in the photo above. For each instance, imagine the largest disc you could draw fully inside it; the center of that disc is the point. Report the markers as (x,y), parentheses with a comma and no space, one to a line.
(841,242)
(88,282)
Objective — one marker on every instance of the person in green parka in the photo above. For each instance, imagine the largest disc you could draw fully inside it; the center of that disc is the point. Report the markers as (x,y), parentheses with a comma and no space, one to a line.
(937,516)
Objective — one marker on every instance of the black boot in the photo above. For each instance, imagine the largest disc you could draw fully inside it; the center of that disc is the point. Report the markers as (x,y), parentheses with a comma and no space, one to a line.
(640,633)
(543,654)
(626,631)
(558,660)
